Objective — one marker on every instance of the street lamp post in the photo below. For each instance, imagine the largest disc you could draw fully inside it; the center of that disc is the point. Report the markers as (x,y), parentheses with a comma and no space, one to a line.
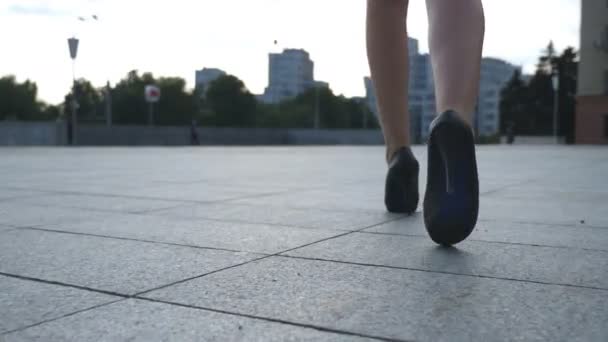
(317,114)
(555,84)
(73,46)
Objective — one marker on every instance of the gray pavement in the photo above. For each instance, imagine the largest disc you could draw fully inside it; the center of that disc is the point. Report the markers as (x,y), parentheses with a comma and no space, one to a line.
(294,243)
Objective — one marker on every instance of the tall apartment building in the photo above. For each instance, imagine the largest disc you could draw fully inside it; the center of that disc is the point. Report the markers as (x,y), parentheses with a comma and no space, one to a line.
(495,73)
(290,73)
(205,76)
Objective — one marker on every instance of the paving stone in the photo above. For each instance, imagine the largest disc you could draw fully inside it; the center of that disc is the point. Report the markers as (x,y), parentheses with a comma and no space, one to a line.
(343,198)
(281,215)
(589,213)
(8,194)
(542,219)
(246,237)
(26,215)
(532,263)
(536,192)
(137,320)
(25,302)
(119,266)
(396,303)
(109,203)
(509,232)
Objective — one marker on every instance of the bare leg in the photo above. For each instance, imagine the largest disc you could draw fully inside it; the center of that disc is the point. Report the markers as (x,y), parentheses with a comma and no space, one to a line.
(456,29)
(388,60)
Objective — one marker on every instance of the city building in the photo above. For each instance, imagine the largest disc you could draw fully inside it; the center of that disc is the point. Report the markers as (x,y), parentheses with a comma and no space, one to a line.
(495,73)
(205,76)
(289,74)
(370,95)
(591,123)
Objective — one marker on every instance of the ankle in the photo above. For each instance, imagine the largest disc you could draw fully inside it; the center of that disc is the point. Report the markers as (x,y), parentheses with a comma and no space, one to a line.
(391,152)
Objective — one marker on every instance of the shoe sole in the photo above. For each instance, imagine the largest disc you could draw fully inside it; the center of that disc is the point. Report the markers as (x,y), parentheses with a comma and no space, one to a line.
(451,202)
(401,190)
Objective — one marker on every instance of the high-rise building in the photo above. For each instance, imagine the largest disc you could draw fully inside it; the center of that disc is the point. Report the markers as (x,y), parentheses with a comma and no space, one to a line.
(592,98)
(290,73)
(205,76)
(495,73)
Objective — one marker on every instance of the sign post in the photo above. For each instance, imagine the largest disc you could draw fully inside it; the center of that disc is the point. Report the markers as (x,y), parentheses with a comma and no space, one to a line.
(152,94)
(73,46)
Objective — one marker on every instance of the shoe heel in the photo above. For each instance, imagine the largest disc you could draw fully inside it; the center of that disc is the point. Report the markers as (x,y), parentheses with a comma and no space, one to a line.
(452,198)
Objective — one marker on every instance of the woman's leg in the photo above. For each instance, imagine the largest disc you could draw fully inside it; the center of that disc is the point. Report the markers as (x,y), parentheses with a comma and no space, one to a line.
(451,200)
(388,60)
(456,30)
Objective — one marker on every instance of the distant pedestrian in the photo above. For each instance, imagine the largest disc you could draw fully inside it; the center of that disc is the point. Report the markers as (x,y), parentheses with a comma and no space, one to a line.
(511,133)
(194,134)
(456,31)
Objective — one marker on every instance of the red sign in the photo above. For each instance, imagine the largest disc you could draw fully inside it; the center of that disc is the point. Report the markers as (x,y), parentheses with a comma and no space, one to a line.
(152,93)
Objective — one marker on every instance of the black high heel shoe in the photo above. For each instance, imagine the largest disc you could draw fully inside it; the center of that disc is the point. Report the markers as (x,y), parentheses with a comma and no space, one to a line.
(401,191)
(451,201)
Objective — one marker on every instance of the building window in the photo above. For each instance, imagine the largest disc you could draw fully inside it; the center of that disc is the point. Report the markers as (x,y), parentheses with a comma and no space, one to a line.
(606,82)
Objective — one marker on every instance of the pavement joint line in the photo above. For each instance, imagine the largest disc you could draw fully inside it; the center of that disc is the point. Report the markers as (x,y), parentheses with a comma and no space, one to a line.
(298,208)
(151,198)
(592,226)
(274,320)
(262,256)
(97,194)
(333,237)
(96,210)
(58,283)
(248,262)
(192,218)
(62,316)
(185,201)
(201,275)
(59,231)
(443,272)
(501,188)
(149,211)
(495,242)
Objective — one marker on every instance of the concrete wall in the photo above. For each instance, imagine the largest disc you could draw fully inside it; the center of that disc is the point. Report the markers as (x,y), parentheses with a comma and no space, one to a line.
(100,135)
(591,119)
(533,140)
(32,133)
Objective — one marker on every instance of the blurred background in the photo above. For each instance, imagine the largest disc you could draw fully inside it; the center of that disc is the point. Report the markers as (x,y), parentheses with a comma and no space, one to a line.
(271,72)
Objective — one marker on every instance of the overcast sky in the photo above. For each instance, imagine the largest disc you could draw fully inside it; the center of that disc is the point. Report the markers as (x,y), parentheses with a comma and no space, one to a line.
(174,38)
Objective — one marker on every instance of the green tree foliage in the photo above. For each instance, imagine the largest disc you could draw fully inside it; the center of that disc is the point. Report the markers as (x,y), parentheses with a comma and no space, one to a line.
(567,66)
(18,100)
(334,112)
(529,107)
(89,101)
(513,105)
(175,107)
(128,103)
(230,103)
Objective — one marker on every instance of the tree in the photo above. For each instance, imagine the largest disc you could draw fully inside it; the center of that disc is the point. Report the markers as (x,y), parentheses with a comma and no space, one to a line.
(88,99)
(334,112)
(513,99)
(230,103)
(18,100)
(530,106)
(176,105)
(567,66)
(128,103)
